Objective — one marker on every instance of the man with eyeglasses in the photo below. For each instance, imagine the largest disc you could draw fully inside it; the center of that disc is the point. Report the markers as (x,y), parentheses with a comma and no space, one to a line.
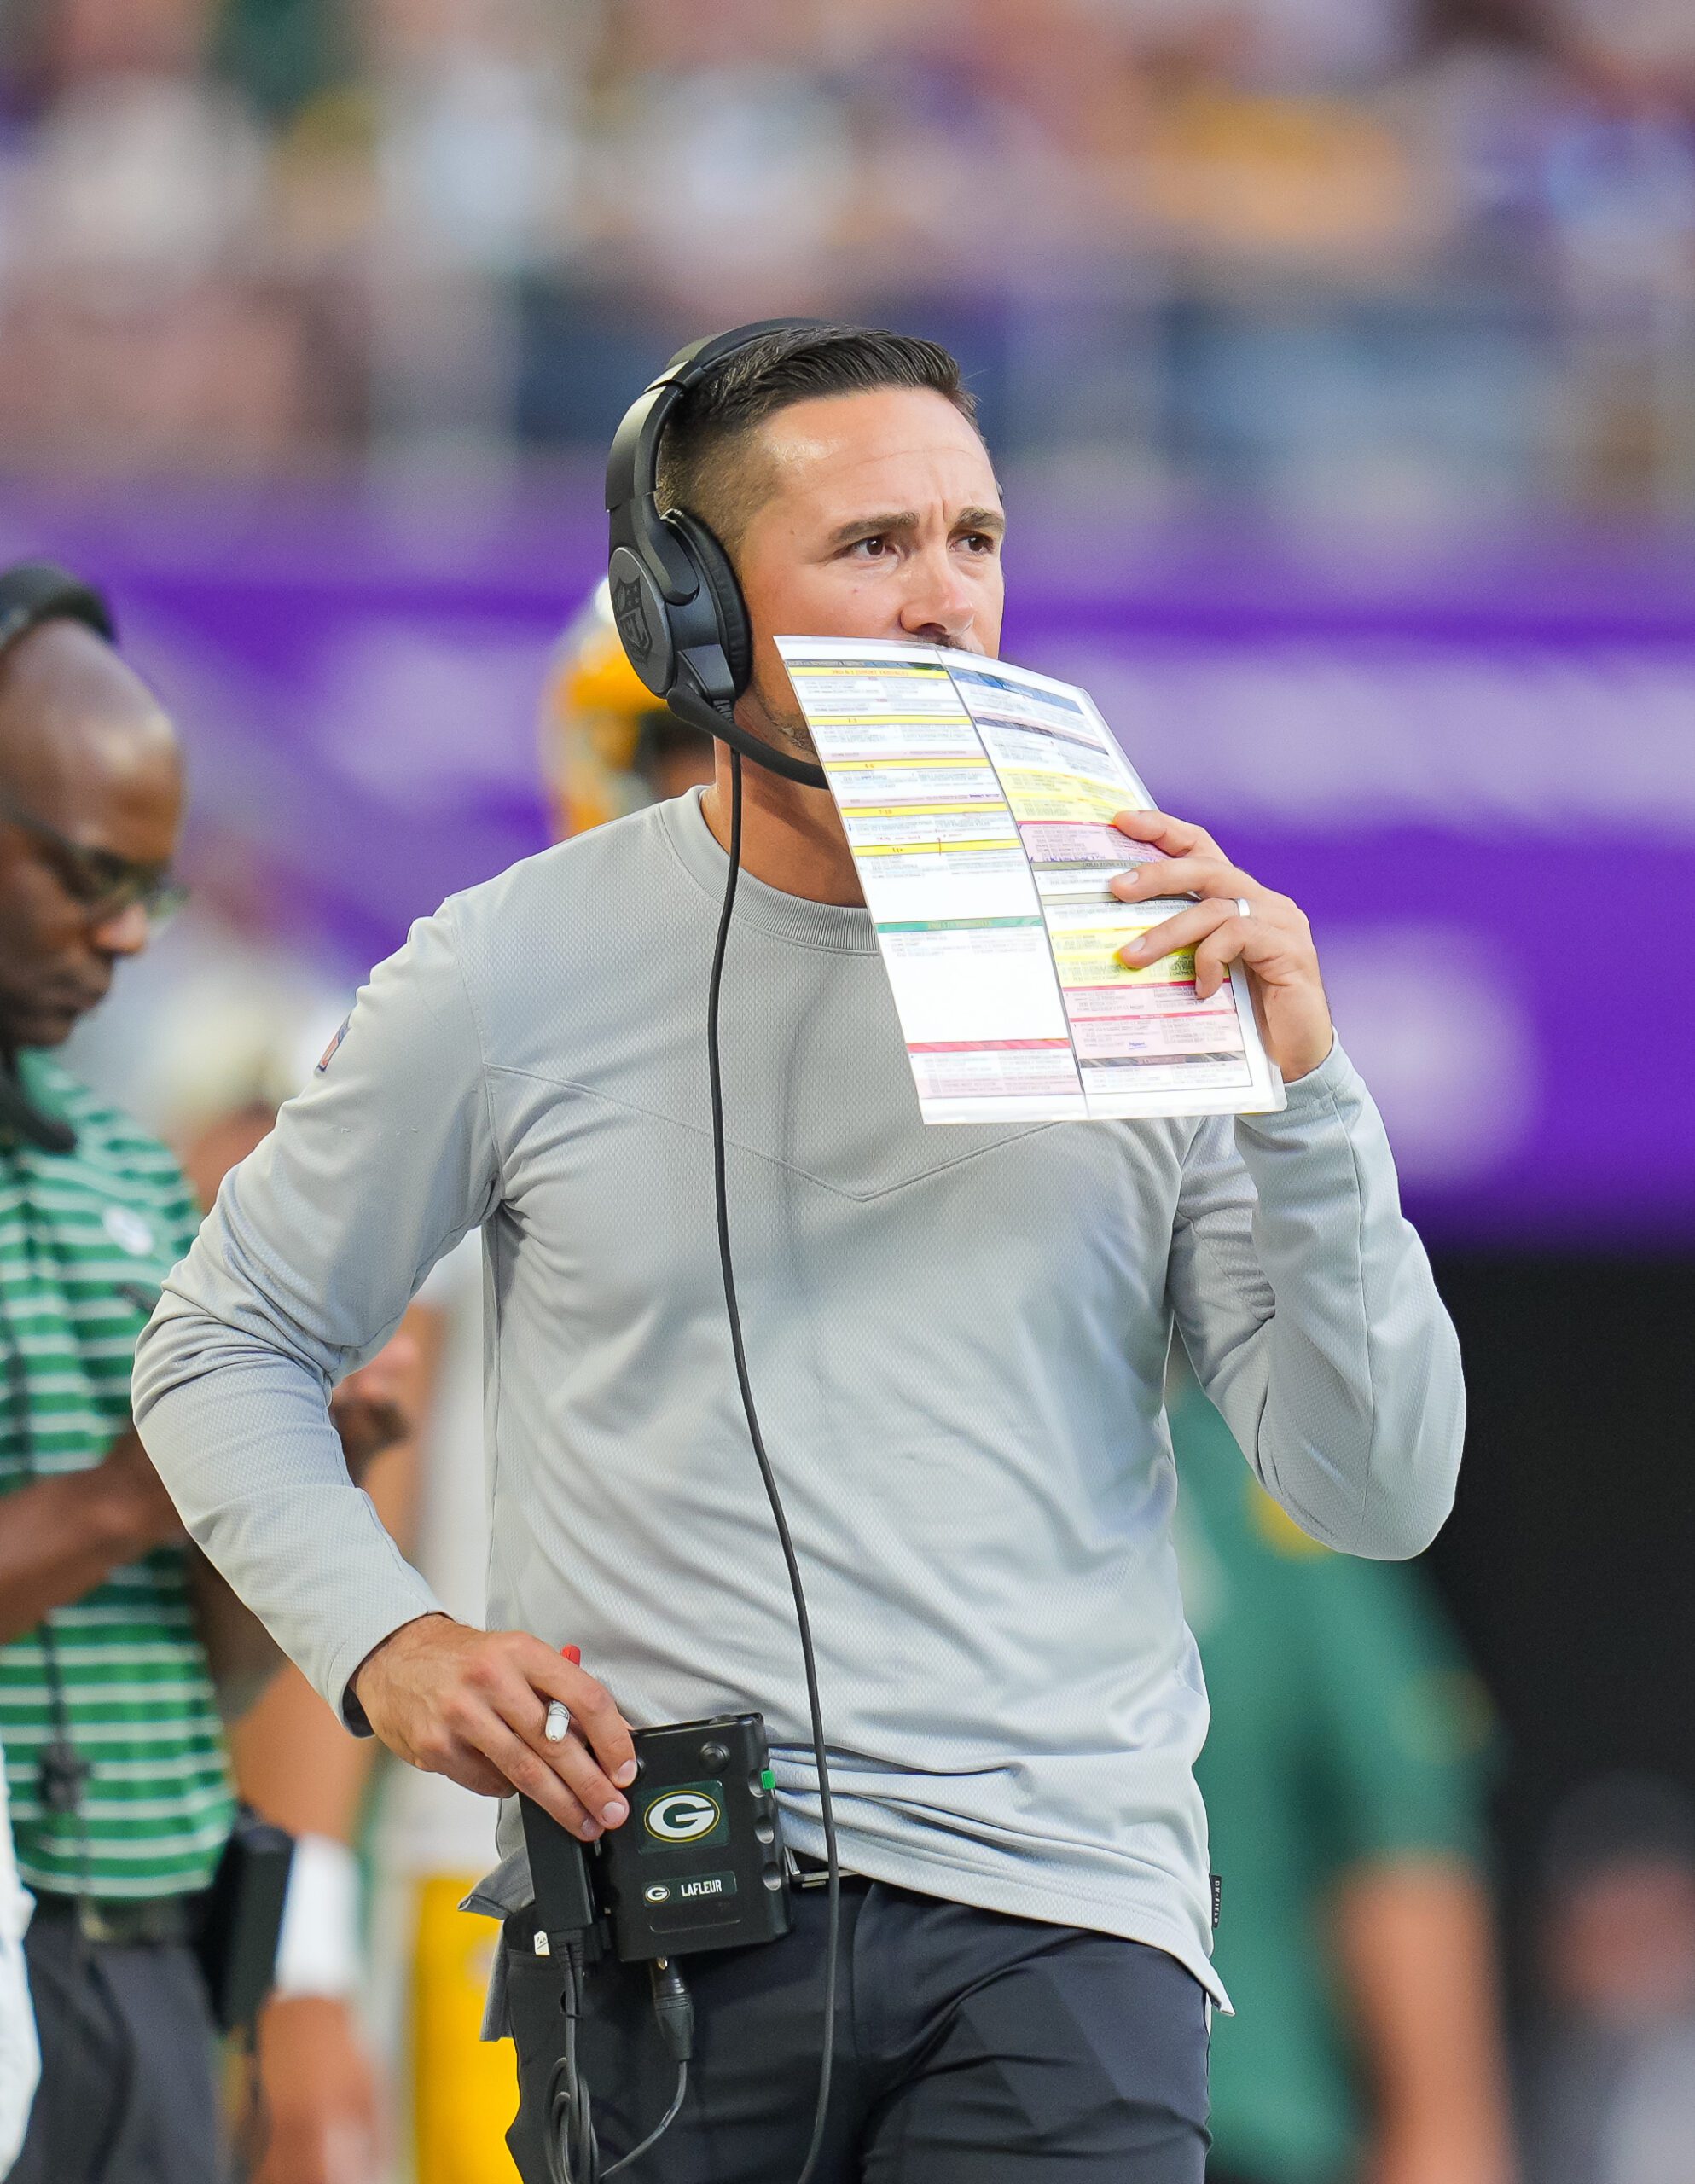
(116,1643)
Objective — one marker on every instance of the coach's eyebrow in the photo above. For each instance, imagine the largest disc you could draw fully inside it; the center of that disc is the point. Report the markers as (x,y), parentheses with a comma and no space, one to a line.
(907,519)
(869,526)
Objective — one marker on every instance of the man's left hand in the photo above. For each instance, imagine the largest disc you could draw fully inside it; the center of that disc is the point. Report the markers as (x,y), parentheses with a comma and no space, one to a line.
(323,2100)
(369,1409)
(1273,940)
(1460,2154)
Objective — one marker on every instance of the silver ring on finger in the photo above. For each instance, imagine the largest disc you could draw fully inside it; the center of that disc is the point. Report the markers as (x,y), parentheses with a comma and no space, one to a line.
(558,1721)
(1244,908)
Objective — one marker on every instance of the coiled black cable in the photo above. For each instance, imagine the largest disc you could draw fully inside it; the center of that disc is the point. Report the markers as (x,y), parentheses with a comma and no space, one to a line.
(572,2150)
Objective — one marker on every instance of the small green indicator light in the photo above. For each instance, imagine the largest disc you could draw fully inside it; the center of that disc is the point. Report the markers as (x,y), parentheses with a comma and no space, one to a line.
(768,1779)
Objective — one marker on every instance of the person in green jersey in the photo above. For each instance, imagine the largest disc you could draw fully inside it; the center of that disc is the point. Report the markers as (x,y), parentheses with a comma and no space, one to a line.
(116,1641)
(1344,1787)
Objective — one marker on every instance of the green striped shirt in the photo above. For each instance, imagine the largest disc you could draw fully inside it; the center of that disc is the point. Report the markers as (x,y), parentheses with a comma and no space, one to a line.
(85,1239)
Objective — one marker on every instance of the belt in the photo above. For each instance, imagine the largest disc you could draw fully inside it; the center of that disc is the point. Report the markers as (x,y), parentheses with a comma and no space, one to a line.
(804,1872)
(808,1871)
(157,1921)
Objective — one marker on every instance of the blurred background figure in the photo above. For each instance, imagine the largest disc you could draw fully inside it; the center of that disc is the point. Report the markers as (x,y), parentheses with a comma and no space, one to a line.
(323,2111)
(1343,1780)
(124,1654)
(1339,358)
(20,2049)
(607,748)
(1610,2090)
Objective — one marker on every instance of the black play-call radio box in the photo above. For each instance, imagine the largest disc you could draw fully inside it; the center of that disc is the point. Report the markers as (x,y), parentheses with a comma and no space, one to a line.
(698,1865)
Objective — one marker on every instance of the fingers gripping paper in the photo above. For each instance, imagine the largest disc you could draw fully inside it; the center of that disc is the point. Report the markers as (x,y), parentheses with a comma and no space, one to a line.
(977,800)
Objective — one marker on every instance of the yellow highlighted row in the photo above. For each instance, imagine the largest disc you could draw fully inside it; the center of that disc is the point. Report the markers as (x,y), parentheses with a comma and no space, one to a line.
(876,765)
(883,669)
(891,720)
(912,811)
(1034,798)
(935,847)
(1091,959)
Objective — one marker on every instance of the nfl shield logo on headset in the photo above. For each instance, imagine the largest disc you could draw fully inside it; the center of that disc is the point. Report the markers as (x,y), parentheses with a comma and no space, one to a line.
(629,611)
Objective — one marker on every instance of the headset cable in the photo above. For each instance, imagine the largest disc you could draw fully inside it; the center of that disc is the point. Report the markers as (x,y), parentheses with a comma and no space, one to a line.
(833,1865)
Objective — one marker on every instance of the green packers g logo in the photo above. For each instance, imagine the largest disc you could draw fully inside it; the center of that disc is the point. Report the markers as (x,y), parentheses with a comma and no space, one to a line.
(681,1817)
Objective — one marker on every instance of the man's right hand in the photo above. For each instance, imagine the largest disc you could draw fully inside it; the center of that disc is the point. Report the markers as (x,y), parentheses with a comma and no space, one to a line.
(473,1705)
(133,1498)
(63,1534)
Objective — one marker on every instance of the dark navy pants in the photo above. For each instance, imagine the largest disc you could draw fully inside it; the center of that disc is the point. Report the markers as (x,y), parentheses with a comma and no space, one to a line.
(970,2048)
(130,2064)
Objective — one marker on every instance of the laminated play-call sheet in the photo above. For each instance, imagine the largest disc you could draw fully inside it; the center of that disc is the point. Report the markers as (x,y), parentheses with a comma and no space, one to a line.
(978,799)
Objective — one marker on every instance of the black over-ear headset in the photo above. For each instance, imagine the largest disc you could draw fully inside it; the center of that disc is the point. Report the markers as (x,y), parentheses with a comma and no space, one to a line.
(675,598)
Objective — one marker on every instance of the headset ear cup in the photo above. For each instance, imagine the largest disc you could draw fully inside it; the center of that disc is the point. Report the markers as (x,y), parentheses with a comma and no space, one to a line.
(720,580)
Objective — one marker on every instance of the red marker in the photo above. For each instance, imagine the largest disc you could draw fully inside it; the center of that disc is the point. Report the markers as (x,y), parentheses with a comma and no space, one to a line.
(558,1718)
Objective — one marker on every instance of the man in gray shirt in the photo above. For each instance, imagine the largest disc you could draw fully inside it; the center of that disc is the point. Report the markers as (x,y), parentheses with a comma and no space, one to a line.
(958,1337)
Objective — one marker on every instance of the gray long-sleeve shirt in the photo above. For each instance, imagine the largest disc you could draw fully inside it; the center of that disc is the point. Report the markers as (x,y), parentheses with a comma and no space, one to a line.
(957,1337)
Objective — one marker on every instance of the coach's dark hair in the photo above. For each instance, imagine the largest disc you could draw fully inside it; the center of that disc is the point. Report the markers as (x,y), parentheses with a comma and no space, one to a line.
(698,468)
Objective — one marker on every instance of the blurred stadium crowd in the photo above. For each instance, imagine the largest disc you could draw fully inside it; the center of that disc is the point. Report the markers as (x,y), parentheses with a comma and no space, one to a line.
(1432,255)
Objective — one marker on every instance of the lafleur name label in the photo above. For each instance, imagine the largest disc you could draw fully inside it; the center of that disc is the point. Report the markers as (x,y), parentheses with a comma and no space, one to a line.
(692,1890)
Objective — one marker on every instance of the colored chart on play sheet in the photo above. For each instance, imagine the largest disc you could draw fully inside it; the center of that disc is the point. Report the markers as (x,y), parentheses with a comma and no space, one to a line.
(978,800)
